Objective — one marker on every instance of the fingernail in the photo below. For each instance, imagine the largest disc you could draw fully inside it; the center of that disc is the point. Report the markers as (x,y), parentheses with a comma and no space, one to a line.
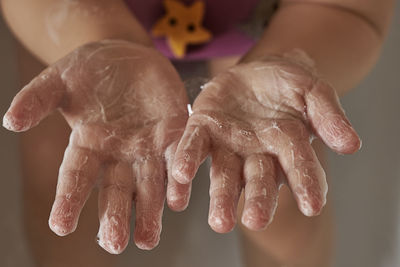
(8,122)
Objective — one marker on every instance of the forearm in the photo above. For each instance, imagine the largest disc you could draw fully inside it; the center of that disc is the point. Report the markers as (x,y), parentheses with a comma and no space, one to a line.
(344,43)
(52,28)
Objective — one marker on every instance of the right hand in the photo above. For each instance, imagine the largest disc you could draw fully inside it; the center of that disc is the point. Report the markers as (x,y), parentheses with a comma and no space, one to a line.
(127,108)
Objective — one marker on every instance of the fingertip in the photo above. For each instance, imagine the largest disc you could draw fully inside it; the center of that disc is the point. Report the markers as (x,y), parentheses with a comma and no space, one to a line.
(147,233)
(64,216)
(178,203)
(112,237)
(114,249)
(146,245)
(183,171)
(147,240)
(311,200)
(340,136)
(348,143)
(8,122)
(63,226)
(221,221)
(254,223)
(352,145)
(221,226)
(311,208)
(257,219)
(13,123)
(178,195)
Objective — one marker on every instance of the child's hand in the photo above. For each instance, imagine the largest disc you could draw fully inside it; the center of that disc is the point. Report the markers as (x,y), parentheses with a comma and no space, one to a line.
(255,120)
(127,108)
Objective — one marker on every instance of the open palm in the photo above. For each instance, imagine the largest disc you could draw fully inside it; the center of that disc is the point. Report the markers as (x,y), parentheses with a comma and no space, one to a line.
(257,120)
(126,106)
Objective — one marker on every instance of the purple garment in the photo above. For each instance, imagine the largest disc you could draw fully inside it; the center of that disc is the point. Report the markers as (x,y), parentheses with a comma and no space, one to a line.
(221,18)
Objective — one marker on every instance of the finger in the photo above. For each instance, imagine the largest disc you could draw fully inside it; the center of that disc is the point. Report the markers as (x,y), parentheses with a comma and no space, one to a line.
(225,187)
(35,101)
(261,192)
(305,176)
(178,195)
(115,206)
(78,173)
(329,121)
(150,195)
(192,150)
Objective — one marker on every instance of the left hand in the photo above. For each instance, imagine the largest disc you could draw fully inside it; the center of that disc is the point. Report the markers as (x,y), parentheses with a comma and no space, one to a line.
(257,119)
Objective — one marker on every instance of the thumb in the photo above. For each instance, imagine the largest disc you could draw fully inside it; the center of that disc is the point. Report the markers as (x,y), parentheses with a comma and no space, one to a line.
(35,101)
(329,121)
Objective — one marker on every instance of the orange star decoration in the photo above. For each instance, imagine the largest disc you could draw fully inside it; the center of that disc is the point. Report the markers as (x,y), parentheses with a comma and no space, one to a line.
(181,25)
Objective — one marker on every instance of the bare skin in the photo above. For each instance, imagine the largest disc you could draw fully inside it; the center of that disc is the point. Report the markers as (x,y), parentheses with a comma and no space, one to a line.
(343,55)
(42,150)
(277,40)
(258,119)
(116,123)
(281,243)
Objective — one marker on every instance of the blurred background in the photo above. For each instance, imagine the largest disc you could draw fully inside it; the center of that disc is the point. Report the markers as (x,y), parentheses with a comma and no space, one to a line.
(365,187)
